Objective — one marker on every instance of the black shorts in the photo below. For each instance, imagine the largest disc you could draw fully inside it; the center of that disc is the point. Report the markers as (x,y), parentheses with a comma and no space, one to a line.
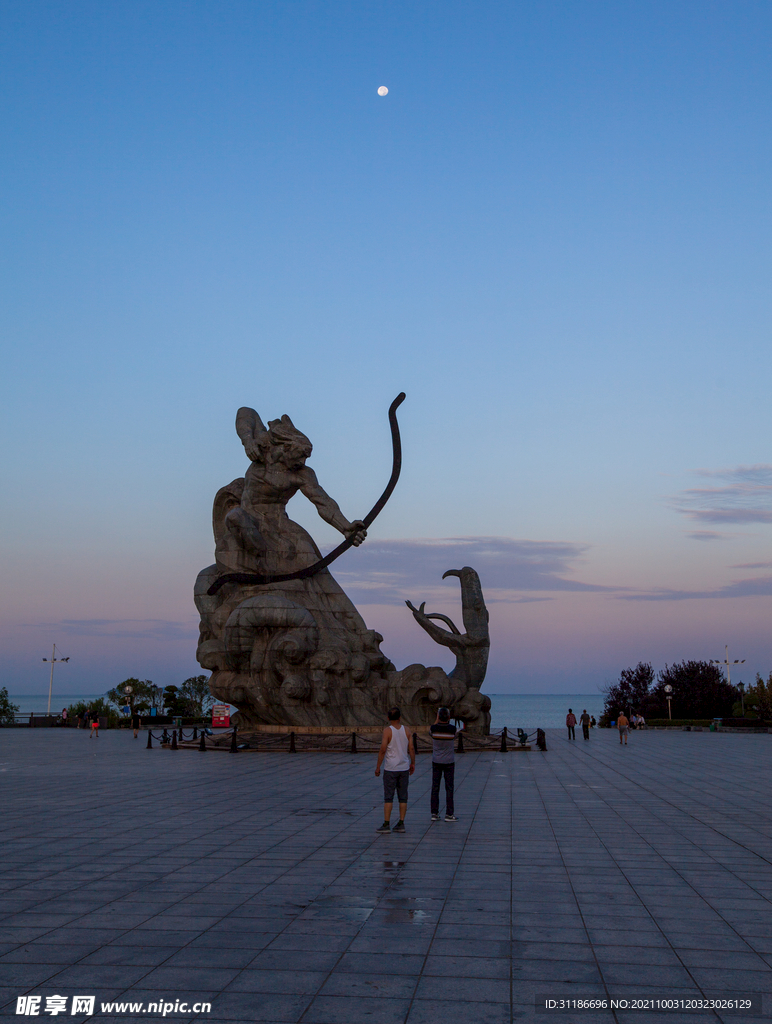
(395,781)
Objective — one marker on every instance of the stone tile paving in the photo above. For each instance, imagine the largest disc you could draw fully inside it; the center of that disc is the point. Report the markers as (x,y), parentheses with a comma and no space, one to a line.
(257,883)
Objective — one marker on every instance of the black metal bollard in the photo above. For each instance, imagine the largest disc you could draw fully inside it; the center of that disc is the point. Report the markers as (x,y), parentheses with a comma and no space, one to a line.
(174,740)
(149,740)
(195,732)
(202,744)
(234,748)
(292,744)
(541,739)
(503,747)
(460,743)
(353,743)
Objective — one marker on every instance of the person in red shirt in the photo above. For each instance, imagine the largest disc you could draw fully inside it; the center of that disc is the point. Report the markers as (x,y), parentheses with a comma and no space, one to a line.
(571,724)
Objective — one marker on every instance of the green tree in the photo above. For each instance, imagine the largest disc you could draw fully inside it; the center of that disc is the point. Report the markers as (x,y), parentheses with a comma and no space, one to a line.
(98,707)
(141,697)
(631,693)
(173,701)
(7,710)
(758,697)
(196,696)
(699,691)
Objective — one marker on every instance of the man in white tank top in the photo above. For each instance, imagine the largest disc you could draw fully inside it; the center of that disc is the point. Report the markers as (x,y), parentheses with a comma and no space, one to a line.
(397,754)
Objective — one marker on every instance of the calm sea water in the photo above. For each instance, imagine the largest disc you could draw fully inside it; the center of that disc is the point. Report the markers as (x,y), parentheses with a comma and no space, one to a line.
(531,711)
(515,710)
(38,702)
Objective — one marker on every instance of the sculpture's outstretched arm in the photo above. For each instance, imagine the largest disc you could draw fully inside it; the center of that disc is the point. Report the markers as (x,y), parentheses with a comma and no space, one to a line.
(311,570)
(329,509)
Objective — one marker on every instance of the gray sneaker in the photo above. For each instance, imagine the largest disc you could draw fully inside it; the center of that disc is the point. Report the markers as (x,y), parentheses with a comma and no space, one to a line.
(399,827)
(450,817)
(385,827)
(435,817)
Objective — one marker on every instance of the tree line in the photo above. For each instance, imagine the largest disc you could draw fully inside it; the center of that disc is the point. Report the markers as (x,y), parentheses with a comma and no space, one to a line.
(190,700)
(699,690)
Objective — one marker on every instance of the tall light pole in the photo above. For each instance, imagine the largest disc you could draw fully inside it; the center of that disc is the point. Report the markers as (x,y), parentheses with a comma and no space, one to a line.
(53,660)
(727,663)
(669,695)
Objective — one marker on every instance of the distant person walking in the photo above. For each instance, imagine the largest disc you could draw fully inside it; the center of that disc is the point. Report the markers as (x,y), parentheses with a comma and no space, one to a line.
(623,725)
(584,720)
(593,723)
(135,723)
(570,724)
(397,754)
(64,716)
(94,725)
(443,764)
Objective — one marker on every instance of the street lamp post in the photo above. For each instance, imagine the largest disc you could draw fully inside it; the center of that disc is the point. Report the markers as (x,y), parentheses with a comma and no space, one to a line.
(54,660)
(727,663)
(669,695)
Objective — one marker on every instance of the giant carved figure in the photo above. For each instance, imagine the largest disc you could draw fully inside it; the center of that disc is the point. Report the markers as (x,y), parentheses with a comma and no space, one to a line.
(283,641)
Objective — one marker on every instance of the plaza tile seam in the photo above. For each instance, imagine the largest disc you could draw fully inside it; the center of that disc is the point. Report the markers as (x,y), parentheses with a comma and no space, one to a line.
(569,876)
(629,881)
(735,792)
(443,904)
(86,884)
(270,866)
(658,799)
(312,850)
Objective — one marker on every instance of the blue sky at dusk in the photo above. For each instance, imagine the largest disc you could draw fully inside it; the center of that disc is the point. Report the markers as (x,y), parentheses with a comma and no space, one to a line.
(553,234)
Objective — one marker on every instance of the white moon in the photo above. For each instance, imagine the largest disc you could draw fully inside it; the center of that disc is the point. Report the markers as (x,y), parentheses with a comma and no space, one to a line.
(382,90)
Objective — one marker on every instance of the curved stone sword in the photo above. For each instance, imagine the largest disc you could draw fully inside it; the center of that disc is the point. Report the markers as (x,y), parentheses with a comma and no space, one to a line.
(312,570)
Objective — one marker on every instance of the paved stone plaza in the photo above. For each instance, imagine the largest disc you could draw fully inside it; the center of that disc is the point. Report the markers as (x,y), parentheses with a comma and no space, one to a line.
(257,881)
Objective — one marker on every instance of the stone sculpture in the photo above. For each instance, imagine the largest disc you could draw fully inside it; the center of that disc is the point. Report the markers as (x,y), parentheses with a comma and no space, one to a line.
(284,643)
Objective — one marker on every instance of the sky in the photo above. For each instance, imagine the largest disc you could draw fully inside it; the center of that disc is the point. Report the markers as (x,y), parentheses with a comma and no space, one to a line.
(553,234)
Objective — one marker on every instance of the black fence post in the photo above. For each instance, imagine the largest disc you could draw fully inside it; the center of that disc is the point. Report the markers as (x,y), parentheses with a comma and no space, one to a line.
(503,747)
(460,743)
(234,748)
(292,744)
(353,743)
(202,744)
(149,740)
(195,732)
(174,740)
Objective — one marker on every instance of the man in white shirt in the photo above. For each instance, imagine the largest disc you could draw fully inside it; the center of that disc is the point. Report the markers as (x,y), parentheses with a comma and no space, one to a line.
(398,752)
